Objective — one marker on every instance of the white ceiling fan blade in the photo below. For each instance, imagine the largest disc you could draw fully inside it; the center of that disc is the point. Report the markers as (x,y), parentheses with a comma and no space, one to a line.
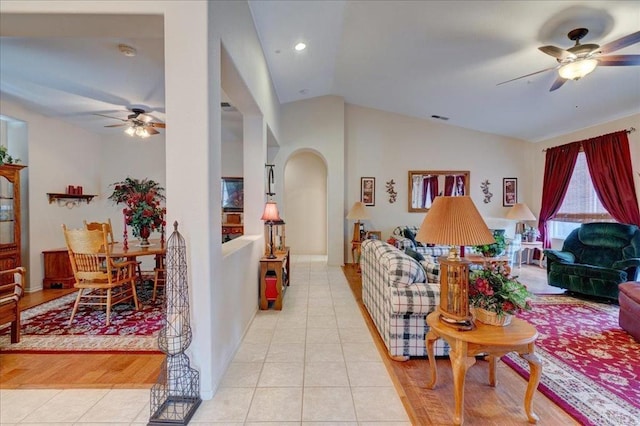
(557,84)
(109,116)
(557,53)
(528,75)
(144,118)
(620,43)
(619,60)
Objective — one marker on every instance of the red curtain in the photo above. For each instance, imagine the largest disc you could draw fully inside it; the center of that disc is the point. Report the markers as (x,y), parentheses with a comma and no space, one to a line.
(449,181)
(609,161)
(434,187)
(558,168)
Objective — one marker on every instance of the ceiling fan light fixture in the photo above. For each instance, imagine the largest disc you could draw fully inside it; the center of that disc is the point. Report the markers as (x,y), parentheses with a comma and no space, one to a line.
(142,132)
(130,131)
(577,69)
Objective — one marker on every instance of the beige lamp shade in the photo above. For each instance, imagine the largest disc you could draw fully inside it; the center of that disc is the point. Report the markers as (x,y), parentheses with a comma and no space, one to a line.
(520,212)
(270,212)
(454,221)
(358,212)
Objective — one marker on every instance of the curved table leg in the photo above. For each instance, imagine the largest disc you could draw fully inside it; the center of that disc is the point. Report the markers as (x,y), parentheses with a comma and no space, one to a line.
(535,367)
(460,362)
(431,338)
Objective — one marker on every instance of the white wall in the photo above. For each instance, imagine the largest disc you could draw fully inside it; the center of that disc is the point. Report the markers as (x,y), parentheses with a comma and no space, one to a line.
(386,146)
(536,156)
(232,157)
(54,148)
(318,124)
(305,195)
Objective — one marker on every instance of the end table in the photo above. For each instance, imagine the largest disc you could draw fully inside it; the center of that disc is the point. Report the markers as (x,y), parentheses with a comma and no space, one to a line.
(519,336)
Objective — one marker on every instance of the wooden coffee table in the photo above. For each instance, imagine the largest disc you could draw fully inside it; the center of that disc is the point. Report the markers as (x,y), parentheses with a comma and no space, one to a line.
(519,336)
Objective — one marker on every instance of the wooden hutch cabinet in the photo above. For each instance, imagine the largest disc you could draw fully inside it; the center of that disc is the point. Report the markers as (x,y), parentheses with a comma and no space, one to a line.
(10,216)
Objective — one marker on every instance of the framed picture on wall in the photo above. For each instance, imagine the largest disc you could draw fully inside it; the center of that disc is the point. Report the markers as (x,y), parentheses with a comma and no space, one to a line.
(368,191)
(232,194)
(509,191)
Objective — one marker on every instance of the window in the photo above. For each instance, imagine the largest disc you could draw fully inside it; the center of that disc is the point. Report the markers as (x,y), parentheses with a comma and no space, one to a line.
(581,203)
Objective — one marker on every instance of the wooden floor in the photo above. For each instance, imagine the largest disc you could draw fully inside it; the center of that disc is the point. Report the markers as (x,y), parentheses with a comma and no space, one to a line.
(82,370)
(483,404)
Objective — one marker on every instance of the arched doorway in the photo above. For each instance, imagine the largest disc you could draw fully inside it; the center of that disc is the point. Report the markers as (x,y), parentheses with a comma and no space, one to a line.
(305,200)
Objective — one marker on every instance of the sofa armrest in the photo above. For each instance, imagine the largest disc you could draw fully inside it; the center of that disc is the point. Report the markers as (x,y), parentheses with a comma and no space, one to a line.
(626,263)
(559,256)
(416,299)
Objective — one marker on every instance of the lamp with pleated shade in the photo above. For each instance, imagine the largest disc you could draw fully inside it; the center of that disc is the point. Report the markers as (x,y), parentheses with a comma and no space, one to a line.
(358,212)
(270,215)
(454,221)
(520,212)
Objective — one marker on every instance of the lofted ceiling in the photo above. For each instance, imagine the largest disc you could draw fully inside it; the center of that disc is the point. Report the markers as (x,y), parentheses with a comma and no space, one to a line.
(417,58)
(445,58)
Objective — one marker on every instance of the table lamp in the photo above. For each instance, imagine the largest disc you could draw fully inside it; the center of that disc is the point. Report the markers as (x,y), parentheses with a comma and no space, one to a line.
(454,221)
(358,212)
(270,215)
(520,212)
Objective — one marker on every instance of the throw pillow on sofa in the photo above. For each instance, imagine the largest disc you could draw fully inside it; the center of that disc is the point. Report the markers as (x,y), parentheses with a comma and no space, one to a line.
(414,254)
(404,270)
(408,233)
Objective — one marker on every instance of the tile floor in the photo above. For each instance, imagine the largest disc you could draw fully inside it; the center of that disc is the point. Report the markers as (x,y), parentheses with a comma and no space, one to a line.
(313,363)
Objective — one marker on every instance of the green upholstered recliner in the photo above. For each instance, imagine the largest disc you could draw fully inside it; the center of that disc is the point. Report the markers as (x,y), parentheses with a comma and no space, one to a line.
(595,259)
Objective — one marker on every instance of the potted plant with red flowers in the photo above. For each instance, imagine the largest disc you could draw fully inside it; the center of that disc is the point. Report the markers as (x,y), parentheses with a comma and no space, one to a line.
(496,296)
(143,210)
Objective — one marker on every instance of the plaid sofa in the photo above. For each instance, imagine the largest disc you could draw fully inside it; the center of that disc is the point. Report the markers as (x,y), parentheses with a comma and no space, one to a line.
(398,298)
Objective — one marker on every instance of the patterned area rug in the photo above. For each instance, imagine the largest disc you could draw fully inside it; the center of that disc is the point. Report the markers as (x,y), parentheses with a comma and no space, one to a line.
(45,327)
(591,367)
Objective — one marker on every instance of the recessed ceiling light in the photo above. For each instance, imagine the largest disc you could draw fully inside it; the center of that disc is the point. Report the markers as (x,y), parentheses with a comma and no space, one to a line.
(300,46)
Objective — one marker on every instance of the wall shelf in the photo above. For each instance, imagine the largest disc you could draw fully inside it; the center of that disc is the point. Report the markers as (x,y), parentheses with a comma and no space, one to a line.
(69,200)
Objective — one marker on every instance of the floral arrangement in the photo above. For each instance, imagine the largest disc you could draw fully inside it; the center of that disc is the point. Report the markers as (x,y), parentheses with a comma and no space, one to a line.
(142,198)
(494,249)
(530,234)
(495,290)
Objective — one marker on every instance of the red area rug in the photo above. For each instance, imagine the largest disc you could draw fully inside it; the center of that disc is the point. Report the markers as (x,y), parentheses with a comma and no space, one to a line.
(45,327)
(591,367)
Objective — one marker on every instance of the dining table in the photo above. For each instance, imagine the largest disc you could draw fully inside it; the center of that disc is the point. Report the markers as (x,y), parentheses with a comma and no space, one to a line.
(133,250)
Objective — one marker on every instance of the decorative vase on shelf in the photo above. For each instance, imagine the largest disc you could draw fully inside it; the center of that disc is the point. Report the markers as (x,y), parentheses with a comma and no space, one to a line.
(491,318)
(144,233)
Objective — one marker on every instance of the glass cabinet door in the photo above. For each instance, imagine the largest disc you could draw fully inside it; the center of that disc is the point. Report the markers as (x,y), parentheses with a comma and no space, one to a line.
(7,213)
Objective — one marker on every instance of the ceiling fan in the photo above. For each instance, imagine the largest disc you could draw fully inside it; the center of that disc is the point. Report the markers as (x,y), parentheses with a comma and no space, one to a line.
(581,59)
(140,124)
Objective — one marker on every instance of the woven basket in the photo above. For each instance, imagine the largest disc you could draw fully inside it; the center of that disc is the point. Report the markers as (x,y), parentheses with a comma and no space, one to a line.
(491,318)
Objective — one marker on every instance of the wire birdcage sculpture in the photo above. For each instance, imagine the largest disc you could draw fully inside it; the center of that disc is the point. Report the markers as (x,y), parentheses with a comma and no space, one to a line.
(176,395)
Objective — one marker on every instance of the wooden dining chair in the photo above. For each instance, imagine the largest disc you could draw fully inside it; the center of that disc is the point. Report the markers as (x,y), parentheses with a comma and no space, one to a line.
(97,226)
(92,226)
(159,275)
(10,293)
(100,279)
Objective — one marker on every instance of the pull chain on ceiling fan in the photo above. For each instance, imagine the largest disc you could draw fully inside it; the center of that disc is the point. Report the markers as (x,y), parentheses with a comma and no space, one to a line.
(580,60)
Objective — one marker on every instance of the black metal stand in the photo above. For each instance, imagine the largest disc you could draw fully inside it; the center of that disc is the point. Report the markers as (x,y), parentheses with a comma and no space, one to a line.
(176,395)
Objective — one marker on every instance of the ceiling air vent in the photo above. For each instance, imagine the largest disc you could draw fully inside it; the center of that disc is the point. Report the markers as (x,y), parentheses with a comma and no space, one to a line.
(226,106)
